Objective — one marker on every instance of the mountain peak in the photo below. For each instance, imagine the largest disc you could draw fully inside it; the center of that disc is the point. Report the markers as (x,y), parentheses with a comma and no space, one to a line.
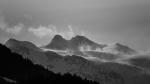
(79,36)
(13,43)
(81,39)
(58,42)
(10,42)
(119,45)
(58,37)
(124,49)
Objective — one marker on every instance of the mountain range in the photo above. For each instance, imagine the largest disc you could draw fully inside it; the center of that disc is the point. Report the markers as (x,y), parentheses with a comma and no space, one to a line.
(59,43)
(81,43)
(90,67)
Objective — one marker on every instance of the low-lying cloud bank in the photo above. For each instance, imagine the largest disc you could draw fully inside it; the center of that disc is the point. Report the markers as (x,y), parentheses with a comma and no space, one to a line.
(13,30)
(107,49)
(104,56)
(42,31)
(51,30)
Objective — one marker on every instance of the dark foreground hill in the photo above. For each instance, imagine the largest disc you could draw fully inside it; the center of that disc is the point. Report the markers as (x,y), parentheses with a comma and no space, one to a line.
(22,71)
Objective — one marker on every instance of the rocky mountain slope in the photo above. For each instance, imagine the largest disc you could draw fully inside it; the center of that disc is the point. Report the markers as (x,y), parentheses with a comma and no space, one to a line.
(123,49)
(17,70)
(102,72)
(59,43)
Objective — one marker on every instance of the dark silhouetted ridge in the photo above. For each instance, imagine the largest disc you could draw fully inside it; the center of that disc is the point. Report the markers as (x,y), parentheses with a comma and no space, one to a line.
(23,71)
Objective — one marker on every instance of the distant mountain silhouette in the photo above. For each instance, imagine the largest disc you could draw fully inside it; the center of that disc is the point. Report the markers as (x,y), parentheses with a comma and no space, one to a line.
(83,41)
(123,49)
(102,72)
(12,42)
(59,43)
(27,50)
(23,71)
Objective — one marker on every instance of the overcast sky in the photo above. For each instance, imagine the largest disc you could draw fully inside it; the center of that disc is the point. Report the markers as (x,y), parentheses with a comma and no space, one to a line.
(104,21)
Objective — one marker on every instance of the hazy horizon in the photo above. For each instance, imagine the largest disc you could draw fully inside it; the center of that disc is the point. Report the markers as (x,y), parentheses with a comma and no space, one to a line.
(103,21)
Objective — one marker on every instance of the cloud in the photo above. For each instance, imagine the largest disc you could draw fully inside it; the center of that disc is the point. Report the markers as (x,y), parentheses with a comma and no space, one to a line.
(110,48)
(83,33)
(51,30)
(15,30)
(42,31)
(3,39)
(67,34)
(11,30)
(71,32)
